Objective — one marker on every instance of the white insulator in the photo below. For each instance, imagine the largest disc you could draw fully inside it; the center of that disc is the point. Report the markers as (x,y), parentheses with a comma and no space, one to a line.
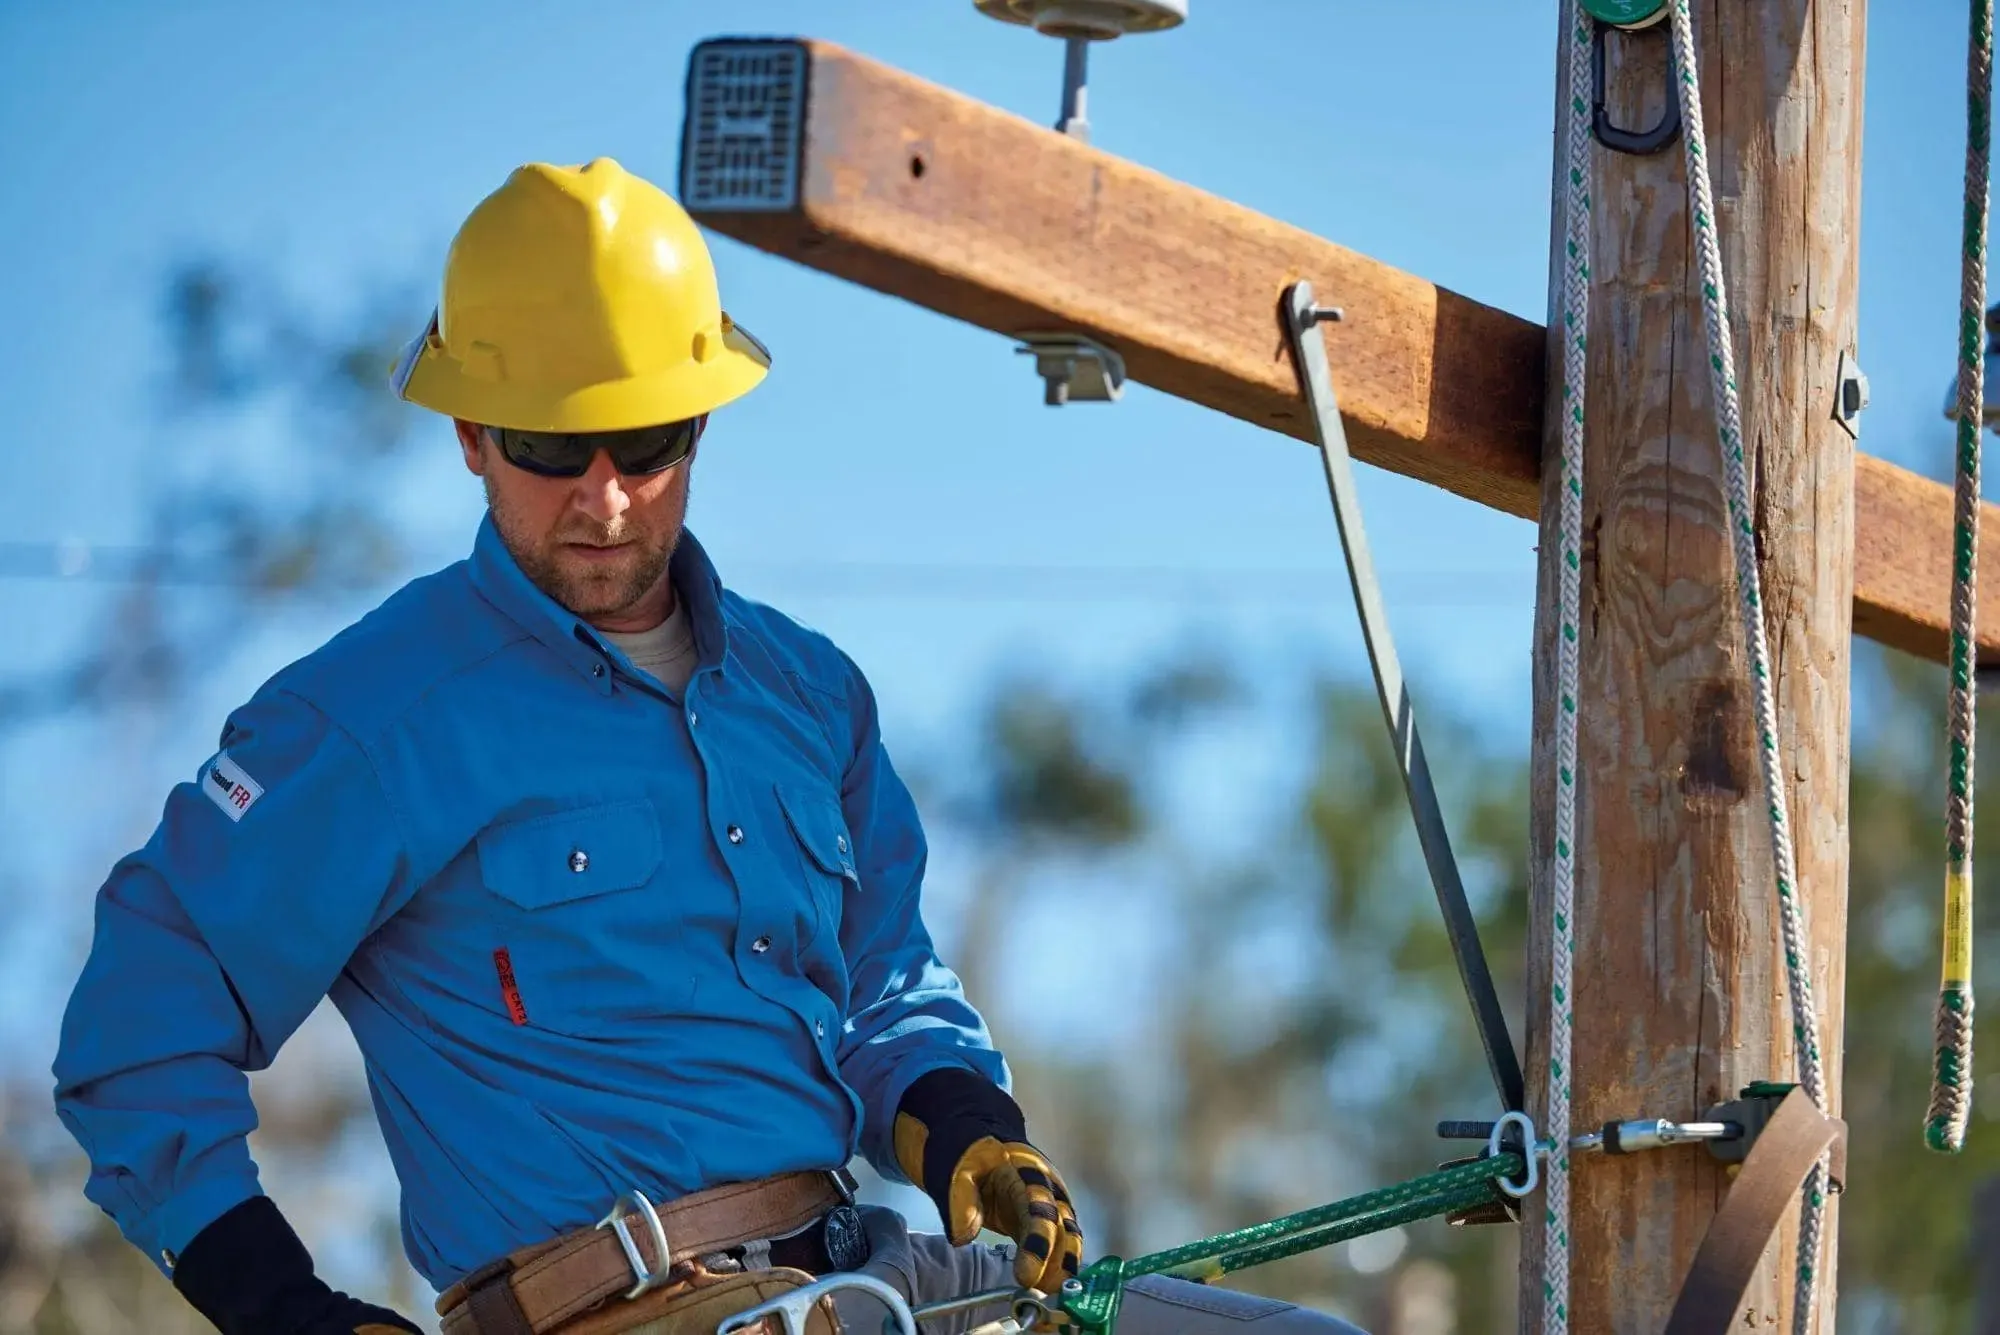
(1091,20)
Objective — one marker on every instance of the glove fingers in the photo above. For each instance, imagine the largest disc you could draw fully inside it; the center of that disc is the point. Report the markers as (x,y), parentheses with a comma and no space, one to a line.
(1037,1263)
(1069,1245)
(966,1212)
(979,1198)
(1051,1244)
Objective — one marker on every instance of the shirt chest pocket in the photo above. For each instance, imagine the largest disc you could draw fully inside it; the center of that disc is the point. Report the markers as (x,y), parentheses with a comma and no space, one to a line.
(583,941)
(825,850)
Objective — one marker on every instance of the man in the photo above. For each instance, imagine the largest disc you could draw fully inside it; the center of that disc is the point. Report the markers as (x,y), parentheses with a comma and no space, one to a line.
(605,866)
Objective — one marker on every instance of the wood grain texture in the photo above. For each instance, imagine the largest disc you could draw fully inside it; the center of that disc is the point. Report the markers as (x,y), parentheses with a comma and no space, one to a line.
(1680,993)
(984,216)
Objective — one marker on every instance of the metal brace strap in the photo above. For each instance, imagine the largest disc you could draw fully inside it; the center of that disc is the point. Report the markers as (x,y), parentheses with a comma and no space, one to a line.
(1301,319)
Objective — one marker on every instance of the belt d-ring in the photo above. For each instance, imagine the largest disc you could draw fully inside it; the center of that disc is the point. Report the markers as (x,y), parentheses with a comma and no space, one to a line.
(647,1279)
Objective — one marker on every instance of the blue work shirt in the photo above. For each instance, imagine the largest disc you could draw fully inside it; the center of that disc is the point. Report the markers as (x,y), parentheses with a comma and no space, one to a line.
(590,935)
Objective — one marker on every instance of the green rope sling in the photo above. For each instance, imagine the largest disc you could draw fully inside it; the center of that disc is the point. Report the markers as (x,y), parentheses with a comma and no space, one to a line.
(1094,1299)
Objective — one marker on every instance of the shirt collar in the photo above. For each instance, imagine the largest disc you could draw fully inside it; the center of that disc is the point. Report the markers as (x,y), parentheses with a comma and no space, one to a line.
(501,580)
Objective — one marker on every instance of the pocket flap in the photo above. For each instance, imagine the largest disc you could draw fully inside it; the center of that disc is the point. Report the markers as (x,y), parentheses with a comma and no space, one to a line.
(569,855)
(821,829)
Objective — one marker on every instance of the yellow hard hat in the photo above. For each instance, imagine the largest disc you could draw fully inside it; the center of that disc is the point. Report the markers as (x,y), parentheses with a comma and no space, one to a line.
(579,299)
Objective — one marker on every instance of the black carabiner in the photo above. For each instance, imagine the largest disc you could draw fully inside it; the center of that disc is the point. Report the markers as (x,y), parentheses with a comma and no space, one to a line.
(1629,141)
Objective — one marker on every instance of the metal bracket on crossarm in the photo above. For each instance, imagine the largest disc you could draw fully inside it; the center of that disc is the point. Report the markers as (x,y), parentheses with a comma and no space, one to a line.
(1302,318)
(1075,369)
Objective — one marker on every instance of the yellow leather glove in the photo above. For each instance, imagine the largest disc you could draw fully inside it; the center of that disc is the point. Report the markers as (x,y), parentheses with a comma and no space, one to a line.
(963,1140)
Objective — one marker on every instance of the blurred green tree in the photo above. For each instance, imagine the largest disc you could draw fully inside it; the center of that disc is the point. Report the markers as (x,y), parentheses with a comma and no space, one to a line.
(1264,1086)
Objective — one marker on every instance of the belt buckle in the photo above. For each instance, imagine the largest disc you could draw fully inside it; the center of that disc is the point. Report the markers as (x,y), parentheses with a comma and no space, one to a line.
(647,1280)
(842,1235)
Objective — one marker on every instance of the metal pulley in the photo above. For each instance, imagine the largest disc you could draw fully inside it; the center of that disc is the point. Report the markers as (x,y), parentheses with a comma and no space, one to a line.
(1626,13)
(1079,23)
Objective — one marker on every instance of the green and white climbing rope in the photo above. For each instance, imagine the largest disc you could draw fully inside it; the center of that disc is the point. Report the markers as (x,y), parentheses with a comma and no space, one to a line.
(1729,429)
(1575,321)
(1951,1077)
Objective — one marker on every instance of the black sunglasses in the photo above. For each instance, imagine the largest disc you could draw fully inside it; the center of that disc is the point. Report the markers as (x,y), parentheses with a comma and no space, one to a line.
(646,449)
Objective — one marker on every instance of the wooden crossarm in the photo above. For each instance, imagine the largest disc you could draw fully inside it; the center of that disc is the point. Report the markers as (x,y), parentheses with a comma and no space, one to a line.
(863,171)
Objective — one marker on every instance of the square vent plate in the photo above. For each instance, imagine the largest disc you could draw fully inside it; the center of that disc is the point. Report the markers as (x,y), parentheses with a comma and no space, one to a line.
(740,148)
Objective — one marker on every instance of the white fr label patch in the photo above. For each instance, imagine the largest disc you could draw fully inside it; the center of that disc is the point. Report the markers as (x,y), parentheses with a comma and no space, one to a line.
(229,787)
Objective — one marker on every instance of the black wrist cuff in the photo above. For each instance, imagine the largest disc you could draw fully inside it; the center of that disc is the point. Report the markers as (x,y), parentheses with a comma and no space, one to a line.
(249,1272)
(957,1108)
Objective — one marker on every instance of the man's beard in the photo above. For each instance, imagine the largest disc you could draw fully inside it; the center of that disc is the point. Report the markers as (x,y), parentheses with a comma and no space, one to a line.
(591,590)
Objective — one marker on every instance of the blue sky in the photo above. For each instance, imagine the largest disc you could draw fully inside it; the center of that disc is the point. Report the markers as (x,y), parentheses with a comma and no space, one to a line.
(340,145)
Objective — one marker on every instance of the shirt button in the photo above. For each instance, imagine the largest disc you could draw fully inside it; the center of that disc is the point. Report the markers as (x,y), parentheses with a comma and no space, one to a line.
(597,669)
(693,718)
(736,834)
(819,1028)
(761,944)
(840,842)
(578,859)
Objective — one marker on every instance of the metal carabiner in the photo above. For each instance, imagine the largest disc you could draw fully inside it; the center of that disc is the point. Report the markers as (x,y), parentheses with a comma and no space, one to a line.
(1629,141)
(1531,1153)
(794,1307)
(1027,1308)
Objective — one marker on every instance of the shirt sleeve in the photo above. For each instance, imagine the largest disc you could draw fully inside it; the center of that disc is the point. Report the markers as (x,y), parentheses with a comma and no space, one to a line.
(908,1012)
(211,945)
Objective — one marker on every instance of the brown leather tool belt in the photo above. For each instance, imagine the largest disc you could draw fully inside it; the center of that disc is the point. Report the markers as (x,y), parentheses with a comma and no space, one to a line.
(797,1221)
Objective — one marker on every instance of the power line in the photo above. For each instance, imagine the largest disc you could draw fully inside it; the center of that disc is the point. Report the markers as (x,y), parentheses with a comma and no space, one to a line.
(999,581)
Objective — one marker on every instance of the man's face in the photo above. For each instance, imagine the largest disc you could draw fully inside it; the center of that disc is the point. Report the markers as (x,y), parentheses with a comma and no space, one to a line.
(597,544)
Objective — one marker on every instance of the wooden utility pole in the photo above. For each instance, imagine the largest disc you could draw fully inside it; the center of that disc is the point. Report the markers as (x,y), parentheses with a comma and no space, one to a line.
(1679,993)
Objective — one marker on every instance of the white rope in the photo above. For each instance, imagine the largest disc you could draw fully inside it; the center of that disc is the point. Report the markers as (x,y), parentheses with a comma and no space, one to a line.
(1729,428)
(1562,926)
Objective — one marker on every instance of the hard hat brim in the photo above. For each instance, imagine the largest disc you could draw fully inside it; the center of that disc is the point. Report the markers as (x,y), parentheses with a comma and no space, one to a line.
(428,376)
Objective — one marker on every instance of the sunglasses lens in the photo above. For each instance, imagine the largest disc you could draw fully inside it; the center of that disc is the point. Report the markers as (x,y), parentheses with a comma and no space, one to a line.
(651,449)
(549,453)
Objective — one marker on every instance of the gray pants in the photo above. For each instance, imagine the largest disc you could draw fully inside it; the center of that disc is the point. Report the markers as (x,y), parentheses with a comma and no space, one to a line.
(925,1268)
